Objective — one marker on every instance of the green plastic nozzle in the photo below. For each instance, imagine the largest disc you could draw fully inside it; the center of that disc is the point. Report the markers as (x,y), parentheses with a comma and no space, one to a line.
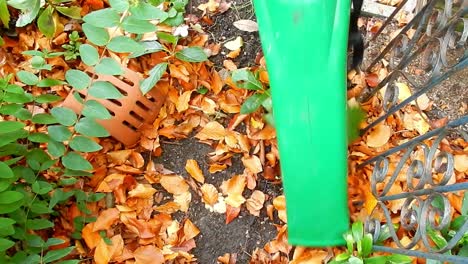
(305,46)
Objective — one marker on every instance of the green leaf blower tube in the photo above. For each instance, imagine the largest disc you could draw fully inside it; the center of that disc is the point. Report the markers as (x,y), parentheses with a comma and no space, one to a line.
(305,46)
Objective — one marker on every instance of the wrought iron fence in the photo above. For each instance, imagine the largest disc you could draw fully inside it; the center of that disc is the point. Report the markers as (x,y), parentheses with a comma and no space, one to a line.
(435,40)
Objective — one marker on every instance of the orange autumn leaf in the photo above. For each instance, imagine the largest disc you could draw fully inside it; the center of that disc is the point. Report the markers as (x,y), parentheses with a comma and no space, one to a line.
(217,167)
(190,230)
(102,254)
(379,136)
(372,80)
(255,202)
(253,164)
(106,219)
(90,237)
(231,213)
(119,157)
(194,170)
(179,72)
(234,54)
(174,184)
(209,194)
(183,200)
(229,64)
(148,254)
(212,130)
(183,101)
(234,188)
(280,205)
(144,191)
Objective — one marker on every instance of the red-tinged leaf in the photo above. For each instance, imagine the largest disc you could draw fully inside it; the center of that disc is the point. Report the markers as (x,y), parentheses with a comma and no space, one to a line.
(106,219)
(231,213)
(372,79)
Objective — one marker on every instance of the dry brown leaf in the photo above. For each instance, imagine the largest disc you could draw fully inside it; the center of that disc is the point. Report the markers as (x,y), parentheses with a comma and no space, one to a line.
(183,200)
(106,219)
(209,194)
(174,184)
(308,256)
(115,249)
(230,65)
(90,237)
(461,162)
(372,80)
(212,130)
(119,157)
(231,213)
(255,202)
(148,254)
(194,170)
(280,205)
(168,208)
(379,136)
(179,72)
(234,54)
(414,121)
(228,258)
(233,188)
(102,254)
(183,101)
(190,230)
(217,167)
(253,164)
(144,191)
(211,5)
(234,44)
(246,25)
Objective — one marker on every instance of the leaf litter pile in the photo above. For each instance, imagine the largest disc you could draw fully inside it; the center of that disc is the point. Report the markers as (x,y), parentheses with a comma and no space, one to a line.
(203,183)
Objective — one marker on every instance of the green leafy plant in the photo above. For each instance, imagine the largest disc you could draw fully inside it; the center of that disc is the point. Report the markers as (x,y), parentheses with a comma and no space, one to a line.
(46,13)
(72,48)
(359,248)
(246,79)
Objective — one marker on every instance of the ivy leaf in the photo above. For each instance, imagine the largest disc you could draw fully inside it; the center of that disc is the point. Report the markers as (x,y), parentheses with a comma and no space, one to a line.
(48,82)
(137,26)
(155,75)
(192,54)
(9,197)
(98,36)
(5,244)
(10,126)
(75,161)
(47,98)
(38,224)
(46,22)
(84,144)
(27,77)
(124,44)
(104,18)
(119,5)
(253,103)
(53,255)
(71,11)
(64,116)
(95,109)
(104,90)
(109,66)
(78,79)
(44,119)
(89,55)
(56,149)
(59,133)
(147,11)
(246,80)
(89,127)
(5,171)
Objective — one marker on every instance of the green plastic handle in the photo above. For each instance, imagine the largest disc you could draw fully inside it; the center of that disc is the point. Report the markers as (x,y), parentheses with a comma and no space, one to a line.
(305,46)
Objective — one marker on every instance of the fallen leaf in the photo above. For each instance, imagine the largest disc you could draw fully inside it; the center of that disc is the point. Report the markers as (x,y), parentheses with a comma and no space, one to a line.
(234,54)
(212,130)
(217,167)
(148,254)
(90,237)
(404,91)
(379,136)
(102,254)
(231,213)
(106,219)
(255,202)
(183,200)
(372,80)
(174,184)
(234,44)
(209,194)
(183,101)
(144,191)
(230,65)
(414,121)
(246,25)
(253,164)
(280,205)
(119,157)
(233,188)
(194,170)
(211,5)
(461,162)
(190,230)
